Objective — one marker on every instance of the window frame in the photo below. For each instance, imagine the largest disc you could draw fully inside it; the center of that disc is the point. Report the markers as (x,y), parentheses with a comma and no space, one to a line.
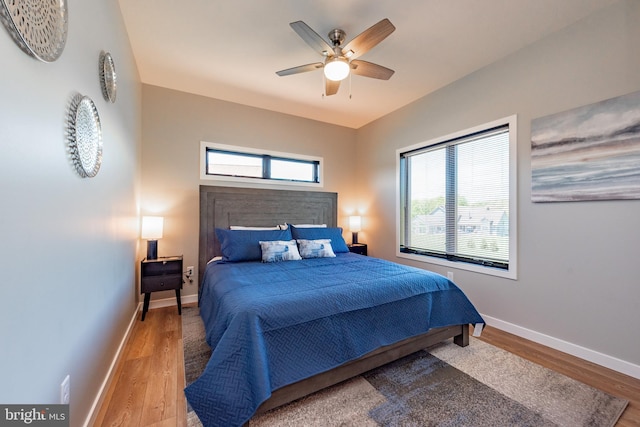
(265,155)
(511,271)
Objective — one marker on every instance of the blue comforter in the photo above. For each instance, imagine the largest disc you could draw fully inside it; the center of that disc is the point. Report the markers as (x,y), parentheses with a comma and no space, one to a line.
(272,324)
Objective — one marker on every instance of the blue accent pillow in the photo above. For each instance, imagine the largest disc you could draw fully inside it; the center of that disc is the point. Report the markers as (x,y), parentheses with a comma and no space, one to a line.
(320,248)
(279,250)
(334,233)
(244,245)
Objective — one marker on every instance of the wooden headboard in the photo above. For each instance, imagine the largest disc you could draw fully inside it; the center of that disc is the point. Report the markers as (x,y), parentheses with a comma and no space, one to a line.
(221,207)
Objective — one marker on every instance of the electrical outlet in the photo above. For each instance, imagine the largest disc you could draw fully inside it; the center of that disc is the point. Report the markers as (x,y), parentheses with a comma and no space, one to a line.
(65,390)
(190,270)
(450,275)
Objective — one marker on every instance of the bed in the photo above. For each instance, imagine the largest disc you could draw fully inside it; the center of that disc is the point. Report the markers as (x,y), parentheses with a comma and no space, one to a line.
(282,330)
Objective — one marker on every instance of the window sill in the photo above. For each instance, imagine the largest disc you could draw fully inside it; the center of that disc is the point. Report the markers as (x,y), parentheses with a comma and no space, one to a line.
(507,274)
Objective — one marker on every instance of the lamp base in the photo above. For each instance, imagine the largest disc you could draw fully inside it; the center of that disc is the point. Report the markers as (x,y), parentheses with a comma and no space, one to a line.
(152,249)
(354,237)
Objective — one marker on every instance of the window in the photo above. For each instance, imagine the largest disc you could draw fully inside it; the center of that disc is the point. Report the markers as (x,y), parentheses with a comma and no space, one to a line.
(457,200)
(231,163)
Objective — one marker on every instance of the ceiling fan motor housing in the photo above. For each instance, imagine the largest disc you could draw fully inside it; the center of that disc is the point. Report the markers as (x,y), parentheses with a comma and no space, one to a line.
(337,36)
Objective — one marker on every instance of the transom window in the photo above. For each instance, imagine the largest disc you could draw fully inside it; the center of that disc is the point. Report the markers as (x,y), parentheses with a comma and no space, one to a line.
(457,200)
(244,164)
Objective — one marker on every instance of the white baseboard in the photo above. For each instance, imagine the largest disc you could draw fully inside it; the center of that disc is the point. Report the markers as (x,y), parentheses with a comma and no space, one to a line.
(107,378)
(593,356)
(167,302)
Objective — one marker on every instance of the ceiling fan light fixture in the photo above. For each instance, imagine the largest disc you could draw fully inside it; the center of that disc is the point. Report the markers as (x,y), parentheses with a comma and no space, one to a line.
(336,69)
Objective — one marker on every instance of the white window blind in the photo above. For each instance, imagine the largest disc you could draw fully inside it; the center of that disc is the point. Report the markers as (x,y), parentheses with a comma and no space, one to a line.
(455,199)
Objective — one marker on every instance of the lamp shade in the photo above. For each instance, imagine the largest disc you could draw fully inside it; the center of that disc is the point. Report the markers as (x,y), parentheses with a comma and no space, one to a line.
(355,223)
(336,69)
(152,227)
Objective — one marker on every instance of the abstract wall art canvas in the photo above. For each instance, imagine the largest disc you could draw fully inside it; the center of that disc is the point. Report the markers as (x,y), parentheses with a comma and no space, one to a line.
(588,153)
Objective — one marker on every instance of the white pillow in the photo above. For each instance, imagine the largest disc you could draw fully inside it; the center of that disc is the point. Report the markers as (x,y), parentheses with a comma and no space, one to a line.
(242,227)
(279,250)
(320,248)
(285,226)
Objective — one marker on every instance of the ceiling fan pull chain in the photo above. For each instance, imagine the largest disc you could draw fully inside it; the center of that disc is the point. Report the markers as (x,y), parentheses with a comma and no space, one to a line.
(350,75)
(323,86)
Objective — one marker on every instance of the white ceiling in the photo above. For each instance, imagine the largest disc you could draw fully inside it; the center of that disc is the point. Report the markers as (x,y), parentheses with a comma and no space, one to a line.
(231,50)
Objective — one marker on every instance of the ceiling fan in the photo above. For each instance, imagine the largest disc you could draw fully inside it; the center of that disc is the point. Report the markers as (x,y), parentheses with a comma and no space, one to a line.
(341,60)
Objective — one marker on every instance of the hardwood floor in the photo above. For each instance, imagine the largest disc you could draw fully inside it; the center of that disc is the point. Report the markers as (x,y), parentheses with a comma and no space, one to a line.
(148,383)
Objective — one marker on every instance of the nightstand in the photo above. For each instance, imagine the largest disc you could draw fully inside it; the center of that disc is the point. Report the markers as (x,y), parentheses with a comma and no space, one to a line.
(161,274)
(358,248)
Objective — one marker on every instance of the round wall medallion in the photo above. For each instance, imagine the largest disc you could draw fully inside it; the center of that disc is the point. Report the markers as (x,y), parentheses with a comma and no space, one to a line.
(108,77)
(39,27)
(84,134)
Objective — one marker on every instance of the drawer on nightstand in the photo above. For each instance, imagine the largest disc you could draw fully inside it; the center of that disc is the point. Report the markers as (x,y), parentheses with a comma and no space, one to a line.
(161,283)
(158,268)
(358,248)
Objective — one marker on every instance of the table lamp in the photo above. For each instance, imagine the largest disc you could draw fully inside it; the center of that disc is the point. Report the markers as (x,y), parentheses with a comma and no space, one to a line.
(355,225)
(152,231)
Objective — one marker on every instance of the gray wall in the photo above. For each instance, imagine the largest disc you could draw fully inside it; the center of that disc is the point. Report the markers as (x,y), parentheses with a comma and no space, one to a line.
(577,269)
(68,244)
(174,124)
(578,262)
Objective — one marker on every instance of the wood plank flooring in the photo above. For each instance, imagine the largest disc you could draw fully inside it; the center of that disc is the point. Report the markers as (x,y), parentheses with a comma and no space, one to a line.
(148,382)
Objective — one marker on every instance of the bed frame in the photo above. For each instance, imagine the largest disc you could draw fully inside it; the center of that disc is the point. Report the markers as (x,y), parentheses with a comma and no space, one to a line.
(222,207)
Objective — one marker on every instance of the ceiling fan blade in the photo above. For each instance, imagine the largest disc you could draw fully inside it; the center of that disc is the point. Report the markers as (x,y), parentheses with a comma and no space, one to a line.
(366,40)
(312,38)
(300,69)
(369,69)
(331,87)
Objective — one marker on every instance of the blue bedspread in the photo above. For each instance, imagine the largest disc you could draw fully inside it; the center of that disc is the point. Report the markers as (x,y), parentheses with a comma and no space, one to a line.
(272,324)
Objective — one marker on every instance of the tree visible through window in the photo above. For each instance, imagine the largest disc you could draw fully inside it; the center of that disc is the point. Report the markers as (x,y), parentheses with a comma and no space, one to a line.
(455,198)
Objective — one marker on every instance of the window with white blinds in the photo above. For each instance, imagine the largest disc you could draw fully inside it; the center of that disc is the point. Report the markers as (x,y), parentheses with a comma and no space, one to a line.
(457,198)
